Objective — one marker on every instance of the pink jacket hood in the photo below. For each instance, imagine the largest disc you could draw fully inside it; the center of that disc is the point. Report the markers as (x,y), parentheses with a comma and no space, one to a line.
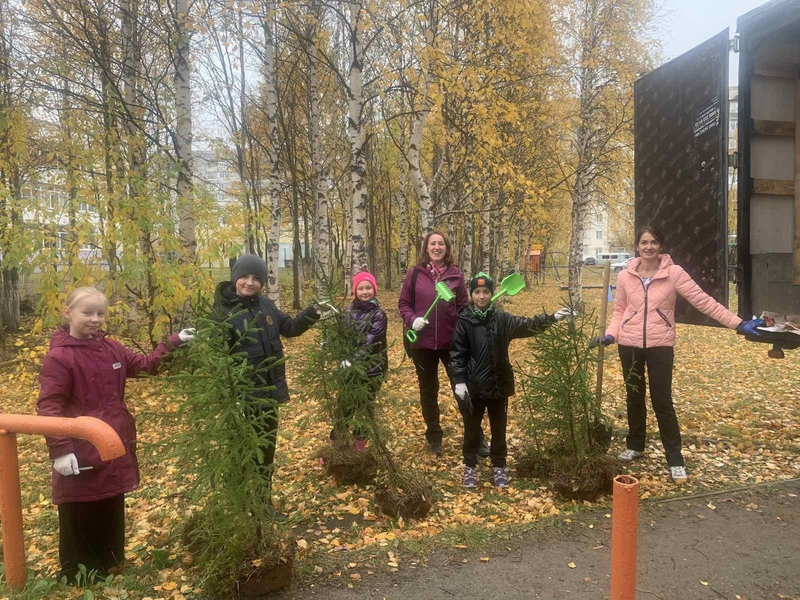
(645,317)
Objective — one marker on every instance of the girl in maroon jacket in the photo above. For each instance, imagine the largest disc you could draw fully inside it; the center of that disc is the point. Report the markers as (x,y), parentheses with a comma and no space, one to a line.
(434,264)
(84,374)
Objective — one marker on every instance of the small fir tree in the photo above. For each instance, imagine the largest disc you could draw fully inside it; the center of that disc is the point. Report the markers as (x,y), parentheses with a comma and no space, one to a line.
(346,396)
(563,417)
(223,431)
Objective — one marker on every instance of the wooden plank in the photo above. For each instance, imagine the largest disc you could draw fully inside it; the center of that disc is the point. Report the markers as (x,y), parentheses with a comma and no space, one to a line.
(773,187)
(796,256)
(775,70)
(776,128)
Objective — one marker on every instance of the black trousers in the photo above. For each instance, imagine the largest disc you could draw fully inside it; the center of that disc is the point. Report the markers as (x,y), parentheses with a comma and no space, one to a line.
(426,363)
(265,421)
(91,534)
(659,362)
(498,421)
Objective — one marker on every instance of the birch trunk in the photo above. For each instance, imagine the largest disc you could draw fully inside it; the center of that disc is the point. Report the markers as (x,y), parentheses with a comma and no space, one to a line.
(486,238)
(581,189)
(355,126)
(273,177)
(505,248)
(321,241)
(580,209)
(466,253)
(183,130)
(421,191)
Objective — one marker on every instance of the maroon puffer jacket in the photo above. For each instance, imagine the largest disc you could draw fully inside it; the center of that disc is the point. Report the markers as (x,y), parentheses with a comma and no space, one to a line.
(87,378)
(438,334)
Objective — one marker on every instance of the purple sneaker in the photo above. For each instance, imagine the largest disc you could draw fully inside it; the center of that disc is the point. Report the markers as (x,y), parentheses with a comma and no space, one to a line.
(499,477)
(470,480)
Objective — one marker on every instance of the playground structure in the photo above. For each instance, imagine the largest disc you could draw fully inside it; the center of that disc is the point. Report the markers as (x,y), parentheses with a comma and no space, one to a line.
(93,430)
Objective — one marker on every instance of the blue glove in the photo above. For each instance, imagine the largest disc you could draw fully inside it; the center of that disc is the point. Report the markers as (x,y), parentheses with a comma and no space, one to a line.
(606,341)
(749,327)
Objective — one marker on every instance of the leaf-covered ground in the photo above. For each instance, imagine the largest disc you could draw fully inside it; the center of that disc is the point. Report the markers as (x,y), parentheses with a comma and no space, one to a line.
(739,412)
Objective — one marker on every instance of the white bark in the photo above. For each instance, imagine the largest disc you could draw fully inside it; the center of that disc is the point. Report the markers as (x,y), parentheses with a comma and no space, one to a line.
(273,176)
(421,191)
(506,242)
(466,252)
(486,238)
(355,130)
(321,239)
(183,130)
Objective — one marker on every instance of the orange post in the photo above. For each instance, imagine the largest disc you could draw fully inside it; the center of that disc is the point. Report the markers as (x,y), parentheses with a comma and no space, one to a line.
(99,433)
(11,512)
(624,537)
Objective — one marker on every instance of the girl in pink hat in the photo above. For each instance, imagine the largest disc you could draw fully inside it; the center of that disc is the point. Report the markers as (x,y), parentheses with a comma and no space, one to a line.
(366,367)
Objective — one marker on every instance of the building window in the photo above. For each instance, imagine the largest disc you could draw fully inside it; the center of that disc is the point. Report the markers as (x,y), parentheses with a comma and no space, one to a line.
(599,235)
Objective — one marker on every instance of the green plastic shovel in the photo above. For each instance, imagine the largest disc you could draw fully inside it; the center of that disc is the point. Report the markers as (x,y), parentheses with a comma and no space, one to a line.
(442,293)
(511,285)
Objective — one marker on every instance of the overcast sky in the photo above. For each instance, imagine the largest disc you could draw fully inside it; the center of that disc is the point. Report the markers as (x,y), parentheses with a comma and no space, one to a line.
(689,22)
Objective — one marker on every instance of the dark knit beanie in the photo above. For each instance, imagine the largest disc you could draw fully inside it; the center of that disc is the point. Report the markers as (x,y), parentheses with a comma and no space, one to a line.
(481,280)
(249,264)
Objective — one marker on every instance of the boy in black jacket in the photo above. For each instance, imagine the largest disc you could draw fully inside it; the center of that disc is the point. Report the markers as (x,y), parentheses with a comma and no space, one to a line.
(255,325)
(483,375)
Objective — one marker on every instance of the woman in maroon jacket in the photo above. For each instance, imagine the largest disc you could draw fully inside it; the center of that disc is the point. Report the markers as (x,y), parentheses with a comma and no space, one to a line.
(84,374)
(434,264)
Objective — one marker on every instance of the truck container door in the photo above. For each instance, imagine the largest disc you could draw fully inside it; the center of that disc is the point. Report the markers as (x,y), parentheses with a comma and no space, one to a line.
(681,164)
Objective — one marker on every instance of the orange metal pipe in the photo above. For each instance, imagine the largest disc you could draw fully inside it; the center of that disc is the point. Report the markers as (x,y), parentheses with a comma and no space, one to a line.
(99,433)
(11,513)
(624,537)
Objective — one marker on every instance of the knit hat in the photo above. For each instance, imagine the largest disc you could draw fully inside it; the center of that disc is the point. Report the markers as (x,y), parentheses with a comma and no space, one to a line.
(481,280)
(364,276)
(249,264)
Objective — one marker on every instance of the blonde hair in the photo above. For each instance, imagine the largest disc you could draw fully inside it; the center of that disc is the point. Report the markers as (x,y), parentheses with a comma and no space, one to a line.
(80,293)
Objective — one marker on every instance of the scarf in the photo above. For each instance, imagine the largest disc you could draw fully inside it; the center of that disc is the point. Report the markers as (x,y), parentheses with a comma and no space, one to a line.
(435,272)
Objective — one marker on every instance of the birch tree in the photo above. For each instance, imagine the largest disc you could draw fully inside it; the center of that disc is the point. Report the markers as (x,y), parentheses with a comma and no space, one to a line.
(183,129)
(321,239)
(608,41)
(269,74)
(355,130)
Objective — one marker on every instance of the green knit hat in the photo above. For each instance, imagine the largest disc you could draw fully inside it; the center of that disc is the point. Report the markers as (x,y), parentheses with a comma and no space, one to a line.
(481,280)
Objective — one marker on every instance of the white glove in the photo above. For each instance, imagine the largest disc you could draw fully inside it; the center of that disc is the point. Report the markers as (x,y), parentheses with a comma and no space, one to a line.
(563,313)
(345,364)
(66,465)
(461,391)
(419,324)
(187,335)
(325,309)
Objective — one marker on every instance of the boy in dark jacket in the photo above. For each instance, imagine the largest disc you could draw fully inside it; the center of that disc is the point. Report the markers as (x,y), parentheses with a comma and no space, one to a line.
(255,325)
(370,324)
(483,375)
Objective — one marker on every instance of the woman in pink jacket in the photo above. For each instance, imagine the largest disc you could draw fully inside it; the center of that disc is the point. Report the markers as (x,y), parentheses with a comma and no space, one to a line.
(84,374)
(644,326)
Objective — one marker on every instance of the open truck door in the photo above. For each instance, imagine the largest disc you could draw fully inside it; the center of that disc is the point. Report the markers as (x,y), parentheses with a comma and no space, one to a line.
(768,251)
(681,164)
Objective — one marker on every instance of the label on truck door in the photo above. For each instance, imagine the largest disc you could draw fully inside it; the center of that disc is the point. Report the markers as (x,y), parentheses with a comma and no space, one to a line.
(681,164)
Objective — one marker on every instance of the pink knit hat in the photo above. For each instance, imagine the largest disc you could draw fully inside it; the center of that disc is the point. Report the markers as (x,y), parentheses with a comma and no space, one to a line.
(364,276)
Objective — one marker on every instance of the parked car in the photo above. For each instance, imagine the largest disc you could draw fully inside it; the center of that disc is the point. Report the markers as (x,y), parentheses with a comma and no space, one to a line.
(620,266)
(590,260)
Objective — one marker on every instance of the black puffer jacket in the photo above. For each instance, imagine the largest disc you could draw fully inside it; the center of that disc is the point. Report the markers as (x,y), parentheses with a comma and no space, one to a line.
(479,351)
(255,326)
